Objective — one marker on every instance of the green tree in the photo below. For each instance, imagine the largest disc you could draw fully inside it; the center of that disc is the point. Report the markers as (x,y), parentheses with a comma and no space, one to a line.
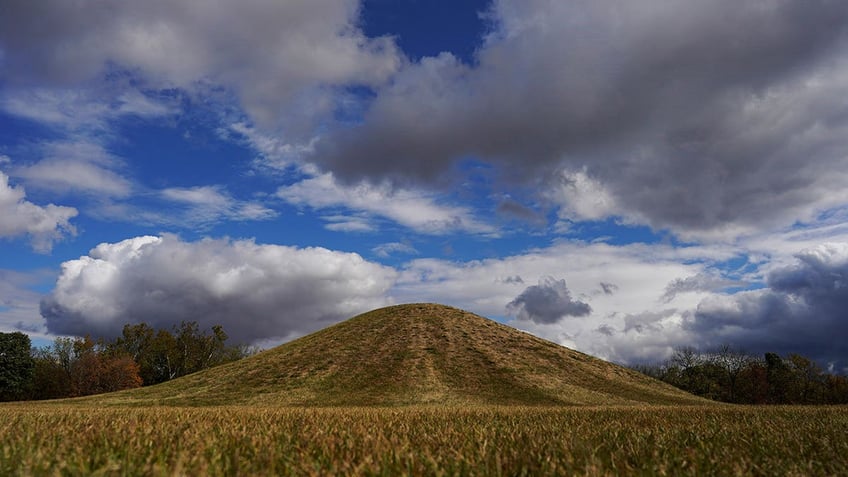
(16,366)
(807,380)
(50,380)
(779,379)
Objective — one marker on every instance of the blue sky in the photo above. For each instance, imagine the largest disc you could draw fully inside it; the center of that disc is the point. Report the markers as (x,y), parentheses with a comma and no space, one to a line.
(623,178)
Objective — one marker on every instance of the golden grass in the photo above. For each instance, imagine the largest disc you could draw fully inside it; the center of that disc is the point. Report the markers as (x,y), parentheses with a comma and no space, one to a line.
(422,440)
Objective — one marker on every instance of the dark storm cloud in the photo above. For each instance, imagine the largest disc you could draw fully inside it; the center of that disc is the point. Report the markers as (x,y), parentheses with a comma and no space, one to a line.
(803,310)
(255,291)
(281,58)
(710,118)
(548,302)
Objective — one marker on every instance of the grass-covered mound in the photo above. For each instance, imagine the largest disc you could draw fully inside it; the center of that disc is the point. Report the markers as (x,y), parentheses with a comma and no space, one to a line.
(412,354)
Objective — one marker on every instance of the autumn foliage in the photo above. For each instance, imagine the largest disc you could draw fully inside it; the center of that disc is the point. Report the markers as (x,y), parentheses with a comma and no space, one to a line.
(142,355)
(730,375)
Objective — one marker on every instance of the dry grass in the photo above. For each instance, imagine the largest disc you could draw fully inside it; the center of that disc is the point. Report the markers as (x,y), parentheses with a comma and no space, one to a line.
(229,441)
(409,355)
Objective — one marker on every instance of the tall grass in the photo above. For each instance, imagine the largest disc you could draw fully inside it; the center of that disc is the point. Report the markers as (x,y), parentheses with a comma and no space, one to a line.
(79,440)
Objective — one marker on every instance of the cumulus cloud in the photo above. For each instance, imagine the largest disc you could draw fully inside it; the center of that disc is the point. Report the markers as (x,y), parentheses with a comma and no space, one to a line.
(802,310)
(417,210)
(255,291)
(43,225)
(711,120)
(274,55)
(547,303)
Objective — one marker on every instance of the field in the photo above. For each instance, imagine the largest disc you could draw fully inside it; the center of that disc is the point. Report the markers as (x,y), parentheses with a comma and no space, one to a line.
(66,439)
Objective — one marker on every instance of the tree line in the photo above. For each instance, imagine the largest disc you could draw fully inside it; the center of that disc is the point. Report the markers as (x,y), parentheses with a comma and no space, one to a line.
(81,366)
(729,375)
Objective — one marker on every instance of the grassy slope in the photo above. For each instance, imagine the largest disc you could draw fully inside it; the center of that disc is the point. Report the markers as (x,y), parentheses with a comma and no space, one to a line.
(411,354)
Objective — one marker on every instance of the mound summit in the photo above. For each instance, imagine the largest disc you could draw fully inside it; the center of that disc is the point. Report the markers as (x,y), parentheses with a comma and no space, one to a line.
(412,354)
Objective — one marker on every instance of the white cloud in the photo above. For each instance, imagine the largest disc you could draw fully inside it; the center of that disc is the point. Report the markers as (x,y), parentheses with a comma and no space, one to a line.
(84,167)
(42,224)
(274,152)
(82,110)
(580,197)
(345,223)
(417,210)
(387,249)
(255,291)
(209,204)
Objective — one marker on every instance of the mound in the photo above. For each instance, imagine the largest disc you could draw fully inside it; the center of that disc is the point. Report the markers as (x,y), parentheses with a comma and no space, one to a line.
(412,354)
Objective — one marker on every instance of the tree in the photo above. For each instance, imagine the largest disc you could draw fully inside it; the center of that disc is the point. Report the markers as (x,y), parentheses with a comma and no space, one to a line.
(139,342)
(142,355)
(779,378)
(836,389)
(733,363)
(807,382)
(96,370)
(50,380)
(16,365)
(80,367)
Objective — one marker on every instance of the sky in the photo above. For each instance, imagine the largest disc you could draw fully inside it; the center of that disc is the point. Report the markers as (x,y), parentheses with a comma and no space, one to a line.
(623,178)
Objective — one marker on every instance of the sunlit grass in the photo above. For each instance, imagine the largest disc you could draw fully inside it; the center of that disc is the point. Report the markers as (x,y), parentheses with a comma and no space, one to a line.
(82,440)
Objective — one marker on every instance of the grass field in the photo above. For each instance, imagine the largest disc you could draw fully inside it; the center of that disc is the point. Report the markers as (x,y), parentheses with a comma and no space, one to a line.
(45,439)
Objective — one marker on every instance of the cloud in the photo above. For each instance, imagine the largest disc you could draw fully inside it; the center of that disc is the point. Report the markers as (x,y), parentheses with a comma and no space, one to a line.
(274,55)
(255,291)
(647,321)
(702,282)
(42,224)
(713,121)
(387,249)
(209,204)
(640,271)
(511,208)
(83,167)
(608,288)
(417,210)
(802,310)
(547,303)
(19,302)
(84,109)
